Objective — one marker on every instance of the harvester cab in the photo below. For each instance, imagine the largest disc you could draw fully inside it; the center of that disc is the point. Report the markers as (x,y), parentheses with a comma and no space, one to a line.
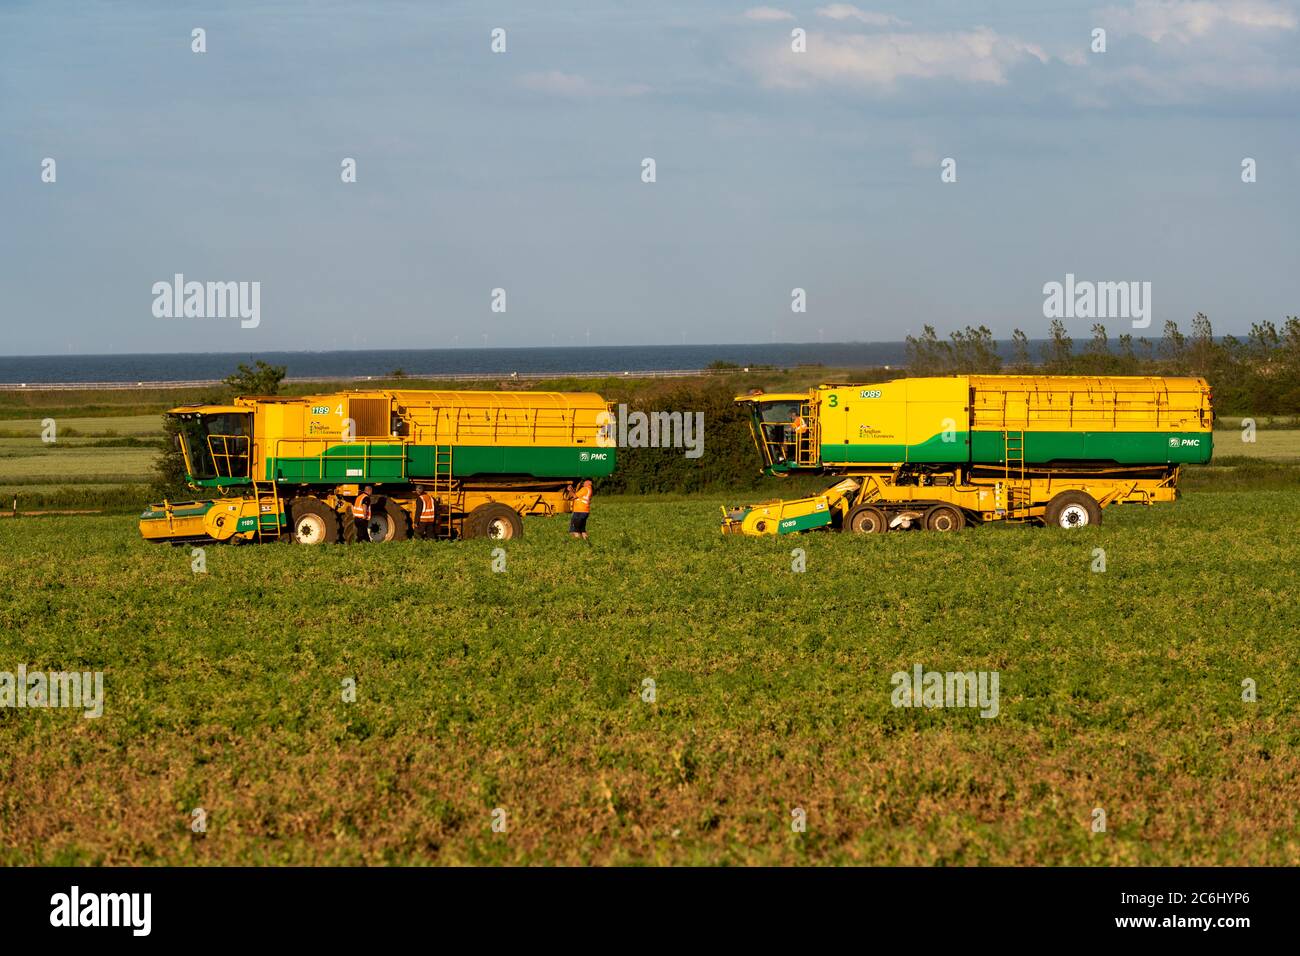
(784,428)
(216,442)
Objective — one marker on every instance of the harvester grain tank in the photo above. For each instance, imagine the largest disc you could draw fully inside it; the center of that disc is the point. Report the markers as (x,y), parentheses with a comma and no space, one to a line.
(939,453)
(441,464)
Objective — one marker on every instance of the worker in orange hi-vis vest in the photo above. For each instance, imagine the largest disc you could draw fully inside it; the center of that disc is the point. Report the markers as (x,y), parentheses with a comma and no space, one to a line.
(581,508)
(361,505)
(427,515)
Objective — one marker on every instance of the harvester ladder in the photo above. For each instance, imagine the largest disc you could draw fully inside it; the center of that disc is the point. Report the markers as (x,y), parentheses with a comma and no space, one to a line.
(447,491)
(268,523)
(808,441)
(1013,465)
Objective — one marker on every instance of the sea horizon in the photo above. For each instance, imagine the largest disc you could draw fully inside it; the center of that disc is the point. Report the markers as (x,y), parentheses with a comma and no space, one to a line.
(461,360)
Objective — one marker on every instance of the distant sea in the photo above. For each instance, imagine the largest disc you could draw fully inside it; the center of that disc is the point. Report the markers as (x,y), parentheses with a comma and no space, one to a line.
(162,367)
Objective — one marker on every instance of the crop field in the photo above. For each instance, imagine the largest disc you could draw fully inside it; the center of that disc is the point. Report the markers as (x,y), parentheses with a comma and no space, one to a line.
(30,463)
(666,695)
(1278,444)
(103,426)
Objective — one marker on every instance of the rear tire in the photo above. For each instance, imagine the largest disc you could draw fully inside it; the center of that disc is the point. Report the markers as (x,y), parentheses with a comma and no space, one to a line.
(494,520)
(312,521)
(866,519)
(944,518)
(1072,509)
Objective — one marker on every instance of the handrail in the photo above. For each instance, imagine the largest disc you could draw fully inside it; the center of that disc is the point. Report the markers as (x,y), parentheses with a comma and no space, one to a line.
(227,456)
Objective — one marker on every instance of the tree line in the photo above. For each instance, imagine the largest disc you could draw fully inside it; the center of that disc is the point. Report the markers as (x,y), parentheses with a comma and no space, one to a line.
(1255,375)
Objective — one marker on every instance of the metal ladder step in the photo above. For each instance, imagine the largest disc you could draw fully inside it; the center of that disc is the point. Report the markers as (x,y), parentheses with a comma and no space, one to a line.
(268,523)
(1013,463)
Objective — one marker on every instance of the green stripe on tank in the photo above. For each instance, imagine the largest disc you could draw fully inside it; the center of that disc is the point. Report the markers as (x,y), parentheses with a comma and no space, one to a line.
(359,462)
(988,447)
(1125,448)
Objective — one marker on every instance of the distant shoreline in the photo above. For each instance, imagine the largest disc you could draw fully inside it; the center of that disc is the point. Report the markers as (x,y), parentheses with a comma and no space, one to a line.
(181,369)
(435,377)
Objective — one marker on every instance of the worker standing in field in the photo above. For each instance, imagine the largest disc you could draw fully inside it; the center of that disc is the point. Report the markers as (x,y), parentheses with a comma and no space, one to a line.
(581,508)
(361,507)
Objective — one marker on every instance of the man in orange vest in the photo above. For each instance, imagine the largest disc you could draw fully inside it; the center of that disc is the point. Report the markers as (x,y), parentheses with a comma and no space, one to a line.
(361,506)
(581,508)
(428,515)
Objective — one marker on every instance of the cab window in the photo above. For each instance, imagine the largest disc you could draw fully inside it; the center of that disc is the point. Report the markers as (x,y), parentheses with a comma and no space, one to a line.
(217,445)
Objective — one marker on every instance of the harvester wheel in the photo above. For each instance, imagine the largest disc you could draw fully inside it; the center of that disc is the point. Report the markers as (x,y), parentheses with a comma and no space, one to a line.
(314,522)
(494,520)
(866,519)
(1072,509)
(944,518)
(388,522)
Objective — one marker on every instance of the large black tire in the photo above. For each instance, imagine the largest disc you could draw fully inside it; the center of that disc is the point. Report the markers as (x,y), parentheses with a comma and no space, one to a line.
(866,519)
(944,518)
(494,520)
(1072,509)
(388,522)
(312,521)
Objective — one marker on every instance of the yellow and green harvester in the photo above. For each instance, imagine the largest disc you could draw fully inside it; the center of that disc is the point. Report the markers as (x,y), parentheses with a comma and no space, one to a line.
(444,464)
(939,453)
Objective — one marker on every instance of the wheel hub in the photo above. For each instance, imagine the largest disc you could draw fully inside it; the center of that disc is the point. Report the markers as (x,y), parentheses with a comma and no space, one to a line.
(1074,516)
(309,530)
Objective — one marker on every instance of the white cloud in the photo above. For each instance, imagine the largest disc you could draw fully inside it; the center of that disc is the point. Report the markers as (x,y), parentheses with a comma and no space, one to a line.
(1187,20)
(558,83)
(879,61)
(767,13)
(847,11)
(1203,47)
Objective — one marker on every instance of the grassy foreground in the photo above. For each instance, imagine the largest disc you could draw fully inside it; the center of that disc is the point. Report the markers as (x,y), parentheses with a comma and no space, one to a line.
(523,691)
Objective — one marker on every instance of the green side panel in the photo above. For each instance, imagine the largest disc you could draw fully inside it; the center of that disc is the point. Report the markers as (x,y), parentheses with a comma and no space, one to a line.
(817,519)
(352,463)
(1125,448)
(542,462)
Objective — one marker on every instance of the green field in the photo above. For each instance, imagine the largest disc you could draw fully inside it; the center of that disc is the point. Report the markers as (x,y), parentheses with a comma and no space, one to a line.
(103,462)
(523,690)
(1275,444)
(104,426)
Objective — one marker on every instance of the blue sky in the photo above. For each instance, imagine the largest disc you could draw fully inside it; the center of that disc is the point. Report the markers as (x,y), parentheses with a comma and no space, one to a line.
(522,170)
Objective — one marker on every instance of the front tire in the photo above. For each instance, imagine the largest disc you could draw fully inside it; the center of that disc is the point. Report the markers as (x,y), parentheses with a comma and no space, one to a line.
(866,519)
(1072,509)
(313,522)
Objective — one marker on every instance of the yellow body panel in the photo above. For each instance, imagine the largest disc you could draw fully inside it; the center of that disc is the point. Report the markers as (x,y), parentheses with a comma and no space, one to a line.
(902,412)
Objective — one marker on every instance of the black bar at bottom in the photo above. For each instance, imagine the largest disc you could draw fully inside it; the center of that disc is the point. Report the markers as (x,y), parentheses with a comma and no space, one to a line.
(335,906)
